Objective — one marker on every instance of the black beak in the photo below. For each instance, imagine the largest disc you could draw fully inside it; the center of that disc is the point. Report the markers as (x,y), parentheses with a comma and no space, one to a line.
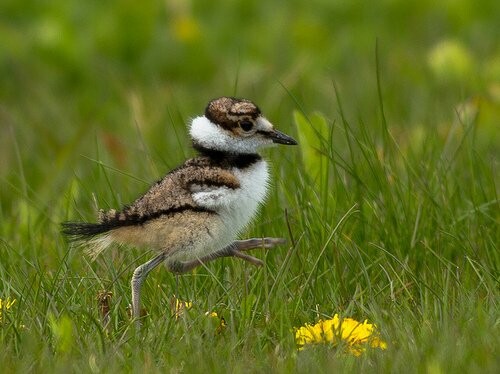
(280,138)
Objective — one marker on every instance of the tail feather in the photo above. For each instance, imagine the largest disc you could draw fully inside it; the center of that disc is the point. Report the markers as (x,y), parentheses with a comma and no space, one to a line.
(78,231)
(93,235)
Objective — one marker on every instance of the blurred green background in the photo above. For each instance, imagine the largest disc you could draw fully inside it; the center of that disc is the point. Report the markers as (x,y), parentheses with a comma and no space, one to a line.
(79,72)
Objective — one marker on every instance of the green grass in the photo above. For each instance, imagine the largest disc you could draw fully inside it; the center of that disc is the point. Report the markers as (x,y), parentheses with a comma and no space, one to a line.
(389,203)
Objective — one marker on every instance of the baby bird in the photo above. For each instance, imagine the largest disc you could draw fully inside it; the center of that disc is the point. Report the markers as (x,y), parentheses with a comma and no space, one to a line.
(195,213)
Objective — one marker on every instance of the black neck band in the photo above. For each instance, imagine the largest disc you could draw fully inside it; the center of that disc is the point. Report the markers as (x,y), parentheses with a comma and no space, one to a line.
(239,160)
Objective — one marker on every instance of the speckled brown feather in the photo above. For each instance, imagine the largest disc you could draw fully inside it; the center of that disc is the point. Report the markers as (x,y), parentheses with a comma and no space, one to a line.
(172,194)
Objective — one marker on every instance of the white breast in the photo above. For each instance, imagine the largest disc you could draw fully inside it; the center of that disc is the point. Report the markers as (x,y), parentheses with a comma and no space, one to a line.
(252,192)
(236,207)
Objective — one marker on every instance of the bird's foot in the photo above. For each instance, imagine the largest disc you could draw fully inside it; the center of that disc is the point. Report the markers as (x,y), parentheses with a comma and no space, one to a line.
(236,250)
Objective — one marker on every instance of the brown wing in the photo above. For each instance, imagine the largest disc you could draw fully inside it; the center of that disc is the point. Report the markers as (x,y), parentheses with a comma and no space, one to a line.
(172,194)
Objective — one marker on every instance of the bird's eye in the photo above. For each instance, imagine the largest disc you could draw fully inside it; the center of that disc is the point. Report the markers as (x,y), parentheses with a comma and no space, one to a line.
(246,125)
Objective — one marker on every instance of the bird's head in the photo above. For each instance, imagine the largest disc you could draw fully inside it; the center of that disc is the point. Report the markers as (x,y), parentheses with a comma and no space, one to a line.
(235,126)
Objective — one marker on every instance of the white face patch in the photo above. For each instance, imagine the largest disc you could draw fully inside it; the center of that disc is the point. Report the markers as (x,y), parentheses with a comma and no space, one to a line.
(263,124)
(211,136)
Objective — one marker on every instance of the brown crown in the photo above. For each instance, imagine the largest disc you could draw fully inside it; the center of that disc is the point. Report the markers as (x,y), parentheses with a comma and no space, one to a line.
(227,111)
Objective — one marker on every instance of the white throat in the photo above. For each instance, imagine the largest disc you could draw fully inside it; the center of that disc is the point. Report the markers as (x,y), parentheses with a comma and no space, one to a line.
(209,135)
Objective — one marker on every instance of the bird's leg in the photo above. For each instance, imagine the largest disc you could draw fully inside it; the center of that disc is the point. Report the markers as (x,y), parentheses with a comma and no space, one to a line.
(235,249)
(138,278)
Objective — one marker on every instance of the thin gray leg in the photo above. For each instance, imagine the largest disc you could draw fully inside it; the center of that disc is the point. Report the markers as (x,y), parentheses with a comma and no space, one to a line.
(138,278)
(233,250)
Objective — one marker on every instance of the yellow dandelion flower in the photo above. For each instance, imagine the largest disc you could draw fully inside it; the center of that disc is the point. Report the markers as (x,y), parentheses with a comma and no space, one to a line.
(178,307)
(212,314)
(355,335)
(221,322)
(5,305)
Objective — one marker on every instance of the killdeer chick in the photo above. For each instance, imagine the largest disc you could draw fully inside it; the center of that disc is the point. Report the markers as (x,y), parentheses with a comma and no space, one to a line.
(195,213)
